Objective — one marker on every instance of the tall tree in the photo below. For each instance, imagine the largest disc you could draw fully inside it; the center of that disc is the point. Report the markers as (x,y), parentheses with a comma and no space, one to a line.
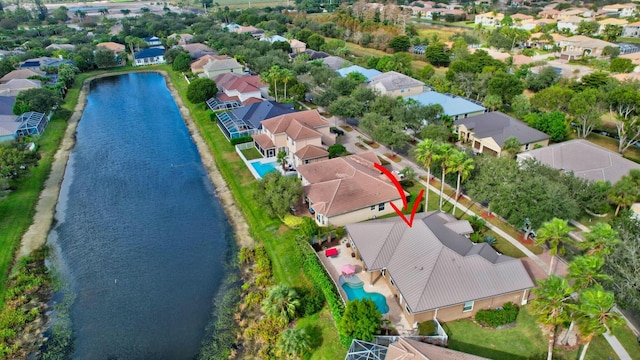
(293,343)
(511,146)
(623,265)
(600,241)
(552,306)
(595,315)
(624,193)
(201,90)
(586,271)
(425,152)
(361,320)
(443,156)
(276,193)
(281,303)
(585,107)
(463,165)
(553,233)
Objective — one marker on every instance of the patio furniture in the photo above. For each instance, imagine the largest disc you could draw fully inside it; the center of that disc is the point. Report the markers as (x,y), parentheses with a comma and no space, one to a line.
(348,269)
(331,252)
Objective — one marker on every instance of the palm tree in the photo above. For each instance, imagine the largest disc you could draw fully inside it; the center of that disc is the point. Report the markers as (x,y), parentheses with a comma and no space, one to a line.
(293,343)
(286,75)
(281,303)
(552,305)
(511,146)
(600,241)
(553,233)
(282,158)
(595,315)
(584,272)
(425,153)
(463,165)
(443,155)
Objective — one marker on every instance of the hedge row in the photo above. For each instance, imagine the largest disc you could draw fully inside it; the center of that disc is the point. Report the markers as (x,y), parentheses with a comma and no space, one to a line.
(498,317)
(318,275)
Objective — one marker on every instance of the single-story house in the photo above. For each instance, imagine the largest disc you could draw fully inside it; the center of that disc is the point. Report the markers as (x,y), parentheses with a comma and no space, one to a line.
(241,86)
(407,348)
(183,39)
(217,67)
(247,120)
(584,158)
(297,46)
(395,84)
(8,128)
(575,47)
(44,61)
(198,50)
(150,56)
(197,66)
(291,133)
(113,46)
(348,189)
(367,73)
(313,55)
(335,62)
(487,133)
(434,270)
(457,107)
(21,74)
(6,105)
(569,24)
(15,86)
(610,21)
(65,47)
(631,30)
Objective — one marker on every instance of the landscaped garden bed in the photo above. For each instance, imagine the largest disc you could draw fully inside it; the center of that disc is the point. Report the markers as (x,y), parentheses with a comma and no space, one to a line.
(394,158)
(347,128)
(373,144)
(360,146)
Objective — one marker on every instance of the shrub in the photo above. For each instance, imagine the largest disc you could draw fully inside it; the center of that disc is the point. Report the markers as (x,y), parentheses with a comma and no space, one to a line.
(491,240)
(312,300)
(293,222)
(426,328)
(241,140)
(498,317)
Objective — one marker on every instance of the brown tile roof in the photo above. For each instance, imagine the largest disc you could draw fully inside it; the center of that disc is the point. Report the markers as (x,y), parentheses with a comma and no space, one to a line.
(239,82)
(252,100)
(200,63)
(21,74)
(264,141)
(409,349)
(311,152)
(113,46)
(433,266)
(341,185)
(298,125)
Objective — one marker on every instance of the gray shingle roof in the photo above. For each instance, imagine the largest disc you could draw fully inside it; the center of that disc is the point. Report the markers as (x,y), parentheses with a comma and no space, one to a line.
(434,266)
(585,159)
(394,80)
(500,127)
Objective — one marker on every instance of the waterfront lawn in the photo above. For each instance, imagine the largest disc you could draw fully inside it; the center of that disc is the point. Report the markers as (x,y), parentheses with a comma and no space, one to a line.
(322,331)
(524,341)
(628,340)
(277,239)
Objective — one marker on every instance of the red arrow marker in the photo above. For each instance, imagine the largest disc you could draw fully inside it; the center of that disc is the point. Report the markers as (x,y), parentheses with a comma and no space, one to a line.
(404,198)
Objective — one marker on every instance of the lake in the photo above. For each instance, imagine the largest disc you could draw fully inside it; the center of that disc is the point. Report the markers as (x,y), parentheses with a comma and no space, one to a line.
(140,237)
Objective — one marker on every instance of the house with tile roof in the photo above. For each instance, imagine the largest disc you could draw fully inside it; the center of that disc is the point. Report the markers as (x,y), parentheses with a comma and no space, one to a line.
(622,10)
(631,30)
(150,56)
(241,87)
(405,348)
(395,84)
(584,159)
(489,19)
(569,24)
(455,106)
(197,66)
(113,46)
(291,133)
(434,270)
(297,46)
(335,62)
(610,21)
(487,133)
(198,50)
(575,47)
(182,39)
(348,189)
(15,86)
(217,67)
(21,74)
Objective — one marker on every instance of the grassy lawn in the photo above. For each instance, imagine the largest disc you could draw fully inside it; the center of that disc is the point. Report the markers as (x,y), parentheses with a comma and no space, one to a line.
(632,153)
(251,153)
(322,331)
(628,339)
(278,240)
(524,341)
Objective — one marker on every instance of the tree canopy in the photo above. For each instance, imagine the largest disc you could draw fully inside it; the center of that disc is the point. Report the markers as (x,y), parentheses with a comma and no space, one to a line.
(201,90)
(361,320)
(277,193)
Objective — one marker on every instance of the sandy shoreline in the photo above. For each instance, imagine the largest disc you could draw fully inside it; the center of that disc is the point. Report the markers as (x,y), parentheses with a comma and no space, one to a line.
(36,235)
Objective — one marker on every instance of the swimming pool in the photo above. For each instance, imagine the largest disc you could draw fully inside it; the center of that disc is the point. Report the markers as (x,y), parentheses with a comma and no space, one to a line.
(356,291)
(262,169)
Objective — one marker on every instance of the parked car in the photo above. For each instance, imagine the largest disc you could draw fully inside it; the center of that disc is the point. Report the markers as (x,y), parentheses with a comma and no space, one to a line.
(335,130)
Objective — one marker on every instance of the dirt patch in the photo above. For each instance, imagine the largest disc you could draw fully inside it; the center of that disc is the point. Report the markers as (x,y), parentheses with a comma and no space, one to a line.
(394,158)
(347,128)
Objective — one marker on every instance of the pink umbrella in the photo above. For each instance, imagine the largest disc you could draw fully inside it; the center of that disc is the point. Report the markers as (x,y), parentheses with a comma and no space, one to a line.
(348,269)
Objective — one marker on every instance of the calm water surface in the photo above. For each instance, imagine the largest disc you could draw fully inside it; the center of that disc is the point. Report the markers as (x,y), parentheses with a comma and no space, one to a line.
(140,236)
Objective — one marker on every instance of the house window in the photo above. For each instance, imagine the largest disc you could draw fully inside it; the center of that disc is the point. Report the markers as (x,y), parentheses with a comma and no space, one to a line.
(468,306)
(401,90)
(306,161)
(527,146)
(406,307)
(391,281)
(380,206)
(373,207)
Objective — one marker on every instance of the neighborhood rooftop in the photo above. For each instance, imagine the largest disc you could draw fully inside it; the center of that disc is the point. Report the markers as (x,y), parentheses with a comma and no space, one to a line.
(434,266)
(451,104)
(393,80)
(584,159)
(500,127)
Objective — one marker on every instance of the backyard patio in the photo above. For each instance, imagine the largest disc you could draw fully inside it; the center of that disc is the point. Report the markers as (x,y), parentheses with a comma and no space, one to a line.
(340,260)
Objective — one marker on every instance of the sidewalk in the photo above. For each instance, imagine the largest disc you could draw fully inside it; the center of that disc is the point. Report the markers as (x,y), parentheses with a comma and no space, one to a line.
(349,140)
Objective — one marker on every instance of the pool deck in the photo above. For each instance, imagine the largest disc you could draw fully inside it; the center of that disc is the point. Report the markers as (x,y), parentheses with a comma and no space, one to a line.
(333,266)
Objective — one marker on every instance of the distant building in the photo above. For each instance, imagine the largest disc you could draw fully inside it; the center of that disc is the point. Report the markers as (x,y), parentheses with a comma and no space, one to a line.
(455,106)
(367,73)
(395,84)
